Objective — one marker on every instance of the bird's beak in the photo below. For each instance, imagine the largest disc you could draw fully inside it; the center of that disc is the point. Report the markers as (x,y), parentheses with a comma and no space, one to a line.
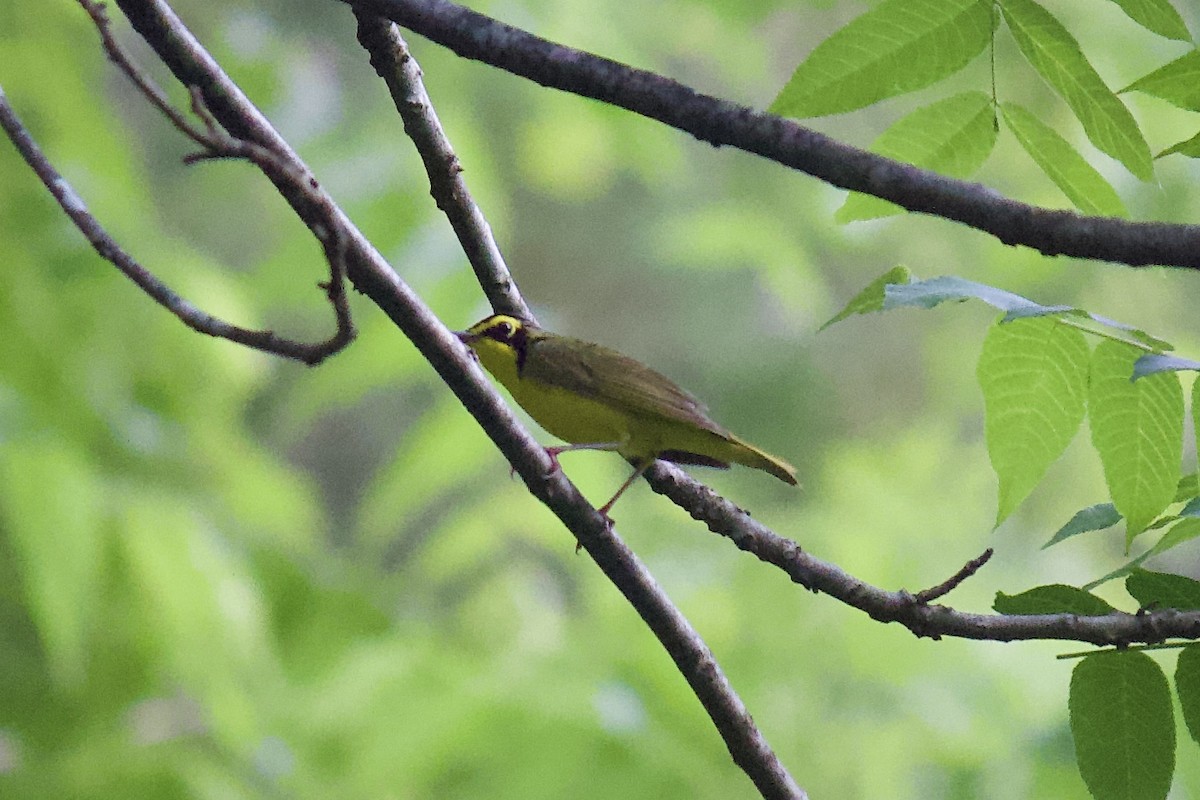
(466,338)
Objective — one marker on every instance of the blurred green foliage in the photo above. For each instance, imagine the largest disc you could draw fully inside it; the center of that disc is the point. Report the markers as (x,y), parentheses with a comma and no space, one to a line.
(224,576)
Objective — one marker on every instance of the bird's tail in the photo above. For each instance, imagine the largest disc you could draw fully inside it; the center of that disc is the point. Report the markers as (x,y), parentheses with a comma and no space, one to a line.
(750,456)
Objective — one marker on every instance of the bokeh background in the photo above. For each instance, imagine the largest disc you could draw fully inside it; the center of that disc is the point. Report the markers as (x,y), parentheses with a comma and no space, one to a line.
(227,576)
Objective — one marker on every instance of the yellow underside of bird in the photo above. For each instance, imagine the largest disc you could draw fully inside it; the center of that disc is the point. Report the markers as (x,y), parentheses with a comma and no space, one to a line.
(592,396)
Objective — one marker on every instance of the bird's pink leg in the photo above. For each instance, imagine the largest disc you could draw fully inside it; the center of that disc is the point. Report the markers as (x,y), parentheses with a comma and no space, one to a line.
(557,450)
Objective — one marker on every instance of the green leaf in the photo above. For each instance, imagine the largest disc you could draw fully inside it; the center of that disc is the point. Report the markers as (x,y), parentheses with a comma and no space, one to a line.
(181,577)
(1124,731)
(51,506)
(1196,411)
(1033,373)
(1137,428)
(1137,336)
(1055,598)
(934,291)
(870,299)
(897,47)
(1079,181)
(953,137)
(1177,82)
(1188,488)
(1163,590)
(1055,54)
(1092,518)
(1181,532)
(404,486)
(1163,521)
(1157,16)
(1188,147)
(1150,363)
(1119,572)
(1187,687)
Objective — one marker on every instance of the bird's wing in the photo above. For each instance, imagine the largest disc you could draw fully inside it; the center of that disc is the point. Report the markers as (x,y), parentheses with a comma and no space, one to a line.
(609,377)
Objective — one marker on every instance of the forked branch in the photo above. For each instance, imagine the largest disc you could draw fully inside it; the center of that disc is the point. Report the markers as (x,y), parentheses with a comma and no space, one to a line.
(720,122)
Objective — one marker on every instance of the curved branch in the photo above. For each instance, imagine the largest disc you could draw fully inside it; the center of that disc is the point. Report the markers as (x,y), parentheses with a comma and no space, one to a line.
(372,275)
(393,62)
(476,36)
(923,619)
(913,611)
(192,65)
(375,278)
(719,122)
(950,584)
(196,319)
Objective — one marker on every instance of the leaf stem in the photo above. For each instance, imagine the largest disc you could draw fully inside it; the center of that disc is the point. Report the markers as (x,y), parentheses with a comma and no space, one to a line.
(1106,335)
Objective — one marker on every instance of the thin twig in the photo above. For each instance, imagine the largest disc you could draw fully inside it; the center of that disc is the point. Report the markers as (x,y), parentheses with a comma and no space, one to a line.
(107,247)
(216,142)
(371,274)
(394,63)
(193,65)
(950,584)
(147,87)
(720,122)
(922,619)
(178,48)
(175,44)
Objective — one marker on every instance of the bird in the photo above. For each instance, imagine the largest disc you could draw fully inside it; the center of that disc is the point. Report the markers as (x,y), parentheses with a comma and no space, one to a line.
(596,398)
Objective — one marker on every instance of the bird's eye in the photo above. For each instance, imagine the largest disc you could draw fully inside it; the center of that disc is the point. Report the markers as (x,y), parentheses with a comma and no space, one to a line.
(505,329)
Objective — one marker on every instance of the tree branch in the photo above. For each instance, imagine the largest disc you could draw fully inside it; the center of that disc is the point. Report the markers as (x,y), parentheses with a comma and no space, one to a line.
(475,36)
(913,611)
(196,319)
(934,621)
(950,584)
(720,122)
(371,274)
(718,514)
(192,65)
(394,63)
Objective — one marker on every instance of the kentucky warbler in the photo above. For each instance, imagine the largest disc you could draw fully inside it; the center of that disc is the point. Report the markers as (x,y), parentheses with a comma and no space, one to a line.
(597,399)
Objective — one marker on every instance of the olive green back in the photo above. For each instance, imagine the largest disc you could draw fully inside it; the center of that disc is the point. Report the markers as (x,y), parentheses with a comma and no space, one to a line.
(608,377)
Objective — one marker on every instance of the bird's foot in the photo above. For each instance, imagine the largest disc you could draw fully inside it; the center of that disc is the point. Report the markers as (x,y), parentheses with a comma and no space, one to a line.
(608,526)
(553,452)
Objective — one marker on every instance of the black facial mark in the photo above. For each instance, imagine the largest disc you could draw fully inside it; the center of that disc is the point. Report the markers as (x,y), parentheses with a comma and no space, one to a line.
(512,335)
(502,332)
(520,342)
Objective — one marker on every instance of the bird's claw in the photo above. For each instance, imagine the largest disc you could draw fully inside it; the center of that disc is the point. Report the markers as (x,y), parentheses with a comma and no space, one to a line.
(608,526)
(552,453)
